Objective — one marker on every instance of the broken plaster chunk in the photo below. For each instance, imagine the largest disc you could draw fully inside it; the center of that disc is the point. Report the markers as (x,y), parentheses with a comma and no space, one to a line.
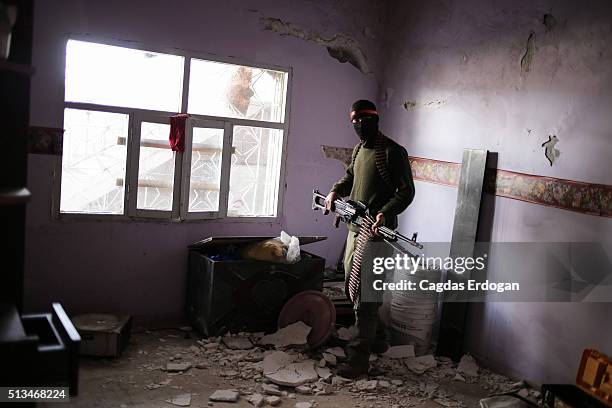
(468,366)
(366,385)
(237,343)
(330,359)
(224,396)
(322,388)
(276,360)
(405,351)
(303,405)
(323,372)
(256,400)
(182,400)
(419,365)
(211,346)
(294,374)
(303,389)
(177,367)
(344,333)
(335,351)
(458,377)
(271,389)
(273,400)
(295,334)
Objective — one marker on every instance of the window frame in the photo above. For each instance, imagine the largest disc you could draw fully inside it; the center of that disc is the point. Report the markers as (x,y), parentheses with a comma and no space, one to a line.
(179,211)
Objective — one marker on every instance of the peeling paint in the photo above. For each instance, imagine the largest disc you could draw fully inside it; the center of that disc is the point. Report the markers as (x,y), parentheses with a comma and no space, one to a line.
(342,154)
(528,56)
(549,21)
(341,47)
(435,104)
(410,106)
(550,151)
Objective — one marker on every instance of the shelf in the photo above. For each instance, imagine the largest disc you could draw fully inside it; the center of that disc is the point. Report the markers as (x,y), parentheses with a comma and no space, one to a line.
(14,196)
(16,67)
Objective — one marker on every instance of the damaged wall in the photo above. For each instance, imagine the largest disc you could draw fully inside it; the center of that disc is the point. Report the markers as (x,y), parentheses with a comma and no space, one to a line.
(139,267)
(506,76)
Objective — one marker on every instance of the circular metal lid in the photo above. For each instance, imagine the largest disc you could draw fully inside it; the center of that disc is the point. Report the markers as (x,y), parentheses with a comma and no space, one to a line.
(313,308)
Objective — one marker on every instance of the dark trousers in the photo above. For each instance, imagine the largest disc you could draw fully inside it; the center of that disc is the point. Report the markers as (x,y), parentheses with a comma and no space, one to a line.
(368,326)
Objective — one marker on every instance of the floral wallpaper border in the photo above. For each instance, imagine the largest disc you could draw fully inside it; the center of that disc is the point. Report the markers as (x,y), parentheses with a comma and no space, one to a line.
(588,198)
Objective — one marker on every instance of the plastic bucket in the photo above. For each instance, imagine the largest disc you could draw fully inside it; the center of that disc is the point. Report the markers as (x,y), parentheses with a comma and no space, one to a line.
(413,312)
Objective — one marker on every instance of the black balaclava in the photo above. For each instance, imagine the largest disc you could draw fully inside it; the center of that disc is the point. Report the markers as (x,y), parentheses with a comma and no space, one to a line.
(365,120)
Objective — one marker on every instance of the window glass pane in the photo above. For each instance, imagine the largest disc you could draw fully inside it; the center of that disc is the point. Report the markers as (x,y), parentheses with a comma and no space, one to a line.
(219,89)
(255,171)
(117,76)
(93,162)
(206,156)
(155,168)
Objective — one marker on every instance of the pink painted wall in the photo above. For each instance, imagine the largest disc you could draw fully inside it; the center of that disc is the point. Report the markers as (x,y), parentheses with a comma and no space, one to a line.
(464,56)
(140,267)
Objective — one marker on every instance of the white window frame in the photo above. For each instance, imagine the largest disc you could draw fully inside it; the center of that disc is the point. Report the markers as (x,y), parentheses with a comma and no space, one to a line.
(182,160)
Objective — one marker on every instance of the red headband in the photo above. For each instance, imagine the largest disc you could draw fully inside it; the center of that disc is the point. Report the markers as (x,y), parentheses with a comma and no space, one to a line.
(361,111)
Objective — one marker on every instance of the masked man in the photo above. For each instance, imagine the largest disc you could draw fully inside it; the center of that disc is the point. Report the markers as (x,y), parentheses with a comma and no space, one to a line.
(380,177)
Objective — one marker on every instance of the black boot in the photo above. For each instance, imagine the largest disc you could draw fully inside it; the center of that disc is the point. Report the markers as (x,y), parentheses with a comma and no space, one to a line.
(348,370)
(379,346)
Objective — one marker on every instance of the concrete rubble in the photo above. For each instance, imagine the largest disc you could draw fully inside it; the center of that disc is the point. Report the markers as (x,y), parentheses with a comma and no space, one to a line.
(468,366)
(182,400)
(295,334)
(225,396)
(285,375)
(419,365)
(237,342)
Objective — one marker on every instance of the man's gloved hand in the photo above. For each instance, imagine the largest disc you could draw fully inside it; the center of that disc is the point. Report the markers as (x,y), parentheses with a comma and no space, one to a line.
(329,201)
(380,221)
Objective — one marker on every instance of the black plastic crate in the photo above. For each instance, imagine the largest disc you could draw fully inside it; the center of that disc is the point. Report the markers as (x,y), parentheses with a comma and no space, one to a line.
(242,295)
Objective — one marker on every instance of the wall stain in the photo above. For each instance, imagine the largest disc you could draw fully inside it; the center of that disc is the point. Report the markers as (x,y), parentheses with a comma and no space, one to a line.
(435,104)
(550,151)
(527,59)
(549,21)
(341,47)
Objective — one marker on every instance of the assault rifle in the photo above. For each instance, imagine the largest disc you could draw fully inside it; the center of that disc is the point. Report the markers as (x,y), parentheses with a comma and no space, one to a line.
(355,212)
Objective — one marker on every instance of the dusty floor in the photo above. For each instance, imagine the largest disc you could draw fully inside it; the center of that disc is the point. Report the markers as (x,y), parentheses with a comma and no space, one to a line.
(138,379)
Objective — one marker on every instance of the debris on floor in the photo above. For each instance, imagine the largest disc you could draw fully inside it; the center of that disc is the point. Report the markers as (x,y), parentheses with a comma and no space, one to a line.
(225,396)
(405,351)
(237,342)
(182,400)
(295,334)
(344,334)
(468,366)
(263,376)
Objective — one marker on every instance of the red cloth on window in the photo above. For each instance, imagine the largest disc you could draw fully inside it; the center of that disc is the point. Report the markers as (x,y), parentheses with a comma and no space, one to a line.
(177,132)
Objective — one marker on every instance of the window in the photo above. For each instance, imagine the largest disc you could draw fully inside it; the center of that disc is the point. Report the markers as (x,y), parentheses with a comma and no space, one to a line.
(117,157)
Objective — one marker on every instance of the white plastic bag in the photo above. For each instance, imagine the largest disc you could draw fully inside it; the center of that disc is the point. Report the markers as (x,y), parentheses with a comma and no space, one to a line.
(293,247)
